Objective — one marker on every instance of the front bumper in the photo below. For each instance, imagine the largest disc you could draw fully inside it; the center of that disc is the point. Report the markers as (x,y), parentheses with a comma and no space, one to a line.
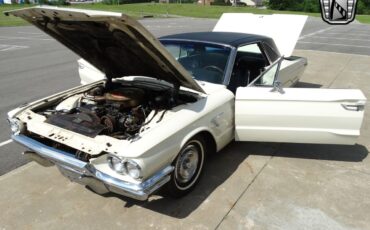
(86,174)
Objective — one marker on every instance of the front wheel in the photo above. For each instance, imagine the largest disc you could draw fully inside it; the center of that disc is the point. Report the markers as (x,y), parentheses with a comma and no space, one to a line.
(188,167)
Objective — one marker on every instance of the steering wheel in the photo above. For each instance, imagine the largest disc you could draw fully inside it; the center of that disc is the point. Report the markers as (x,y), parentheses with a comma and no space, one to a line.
(213,67)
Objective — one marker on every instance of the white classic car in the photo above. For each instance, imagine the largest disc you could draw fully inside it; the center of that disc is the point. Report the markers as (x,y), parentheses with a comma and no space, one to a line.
(150,121)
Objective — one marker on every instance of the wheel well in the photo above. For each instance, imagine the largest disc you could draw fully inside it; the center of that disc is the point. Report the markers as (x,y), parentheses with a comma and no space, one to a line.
(210,141)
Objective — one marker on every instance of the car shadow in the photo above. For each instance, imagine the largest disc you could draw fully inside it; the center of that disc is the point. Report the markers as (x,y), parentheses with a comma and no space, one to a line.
(306,85)
(220,166)
(350,153)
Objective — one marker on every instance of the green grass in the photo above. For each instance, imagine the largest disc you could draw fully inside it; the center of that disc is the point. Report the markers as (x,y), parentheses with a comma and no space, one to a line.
(163,10)
(363,18)
(11,20)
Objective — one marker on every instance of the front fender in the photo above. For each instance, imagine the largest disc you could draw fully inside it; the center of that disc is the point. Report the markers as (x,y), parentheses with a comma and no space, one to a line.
(158,147)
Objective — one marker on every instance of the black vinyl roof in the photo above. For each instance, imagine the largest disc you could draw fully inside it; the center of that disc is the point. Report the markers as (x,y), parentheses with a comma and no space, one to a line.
(227,38)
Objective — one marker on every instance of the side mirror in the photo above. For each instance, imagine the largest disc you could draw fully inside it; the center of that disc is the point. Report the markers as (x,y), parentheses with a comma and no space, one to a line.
(278,87)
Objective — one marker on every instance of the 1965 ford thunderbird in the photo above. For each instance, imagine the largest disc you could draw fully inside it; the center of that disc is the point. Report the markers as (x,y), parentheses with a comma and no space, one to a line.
(161,106)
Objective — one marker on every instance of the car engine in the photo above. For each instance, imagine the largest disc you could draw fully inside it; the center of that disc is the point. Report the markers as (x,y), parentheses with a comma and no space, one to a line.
(117,111)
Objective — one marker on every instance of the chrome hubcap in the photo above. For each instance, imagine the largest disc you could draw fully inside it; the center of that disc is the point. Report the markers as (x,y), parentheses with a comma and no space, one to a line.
(187,164)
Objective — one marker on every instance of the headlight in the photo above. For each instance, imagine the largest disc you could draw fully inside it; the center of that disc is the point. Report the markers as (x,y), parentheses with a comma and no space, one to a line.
(117,164)
(16,126)
(133,169)
(123,166)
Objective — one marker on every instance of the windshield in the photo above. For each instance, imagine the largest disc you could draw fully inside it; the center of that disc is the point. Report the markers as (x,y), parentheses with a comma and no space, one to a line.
(205,62)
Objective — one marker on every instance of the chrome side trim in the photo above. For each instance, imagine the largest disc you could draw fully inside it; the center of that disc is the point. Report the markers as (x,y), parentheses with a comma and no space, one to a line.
(86,174)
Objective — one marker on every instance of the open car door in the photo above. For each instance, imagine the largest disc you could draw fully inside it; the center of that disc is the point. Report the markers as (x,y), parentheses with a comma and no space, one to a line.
(265,112)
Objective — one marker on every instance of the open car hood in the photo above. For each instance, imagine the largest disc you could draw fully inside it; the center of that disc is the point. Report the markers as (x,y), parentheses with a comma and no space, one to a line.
(114,43)
(282,28)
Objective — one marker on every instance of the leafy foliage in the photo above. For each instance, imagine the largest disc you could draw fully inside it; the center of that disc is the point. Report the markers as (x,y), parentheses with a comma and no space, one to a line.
(363,6)
(112,2)
(311,6)
(295,5)
(283,5)
(53,2)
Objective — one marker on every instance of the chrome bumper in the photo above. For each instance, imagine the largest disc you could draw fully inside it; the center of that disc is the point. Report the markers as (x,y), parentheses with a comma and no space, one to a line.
(86,174)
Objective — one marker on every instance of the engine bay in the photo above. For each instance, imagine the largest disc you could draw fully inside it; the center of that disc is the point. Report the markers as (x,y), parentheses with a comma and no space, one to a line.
(115,109)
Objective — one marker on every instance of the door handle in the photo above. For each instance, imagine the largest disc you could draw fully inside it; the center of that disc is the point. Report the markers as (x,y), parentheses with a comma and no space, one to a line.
(354,107)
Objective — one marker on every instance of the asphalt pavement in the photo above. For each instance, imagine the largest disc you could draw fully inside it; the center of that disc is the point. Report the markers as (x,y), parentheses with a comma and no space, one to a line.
(33,65)
(247,185)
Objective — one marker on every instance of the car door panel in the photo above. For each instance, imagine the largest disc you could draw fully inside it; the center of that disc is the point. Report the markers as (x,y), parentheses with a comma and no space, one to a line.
(299,115)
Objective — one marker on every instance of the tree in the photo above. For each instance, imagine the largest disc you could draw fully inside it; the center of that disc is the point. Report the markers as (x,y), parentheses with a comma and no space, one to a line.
(285,5)
(363,7)
(295,5)
(311,6)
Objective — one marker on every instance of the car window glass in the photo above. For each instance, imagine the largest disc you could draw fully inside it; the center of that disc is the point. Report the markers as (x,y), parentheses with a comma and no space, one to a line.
(269,76)
(174,50)
(249,63)
(251,48)
(205,62)
(271,52)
